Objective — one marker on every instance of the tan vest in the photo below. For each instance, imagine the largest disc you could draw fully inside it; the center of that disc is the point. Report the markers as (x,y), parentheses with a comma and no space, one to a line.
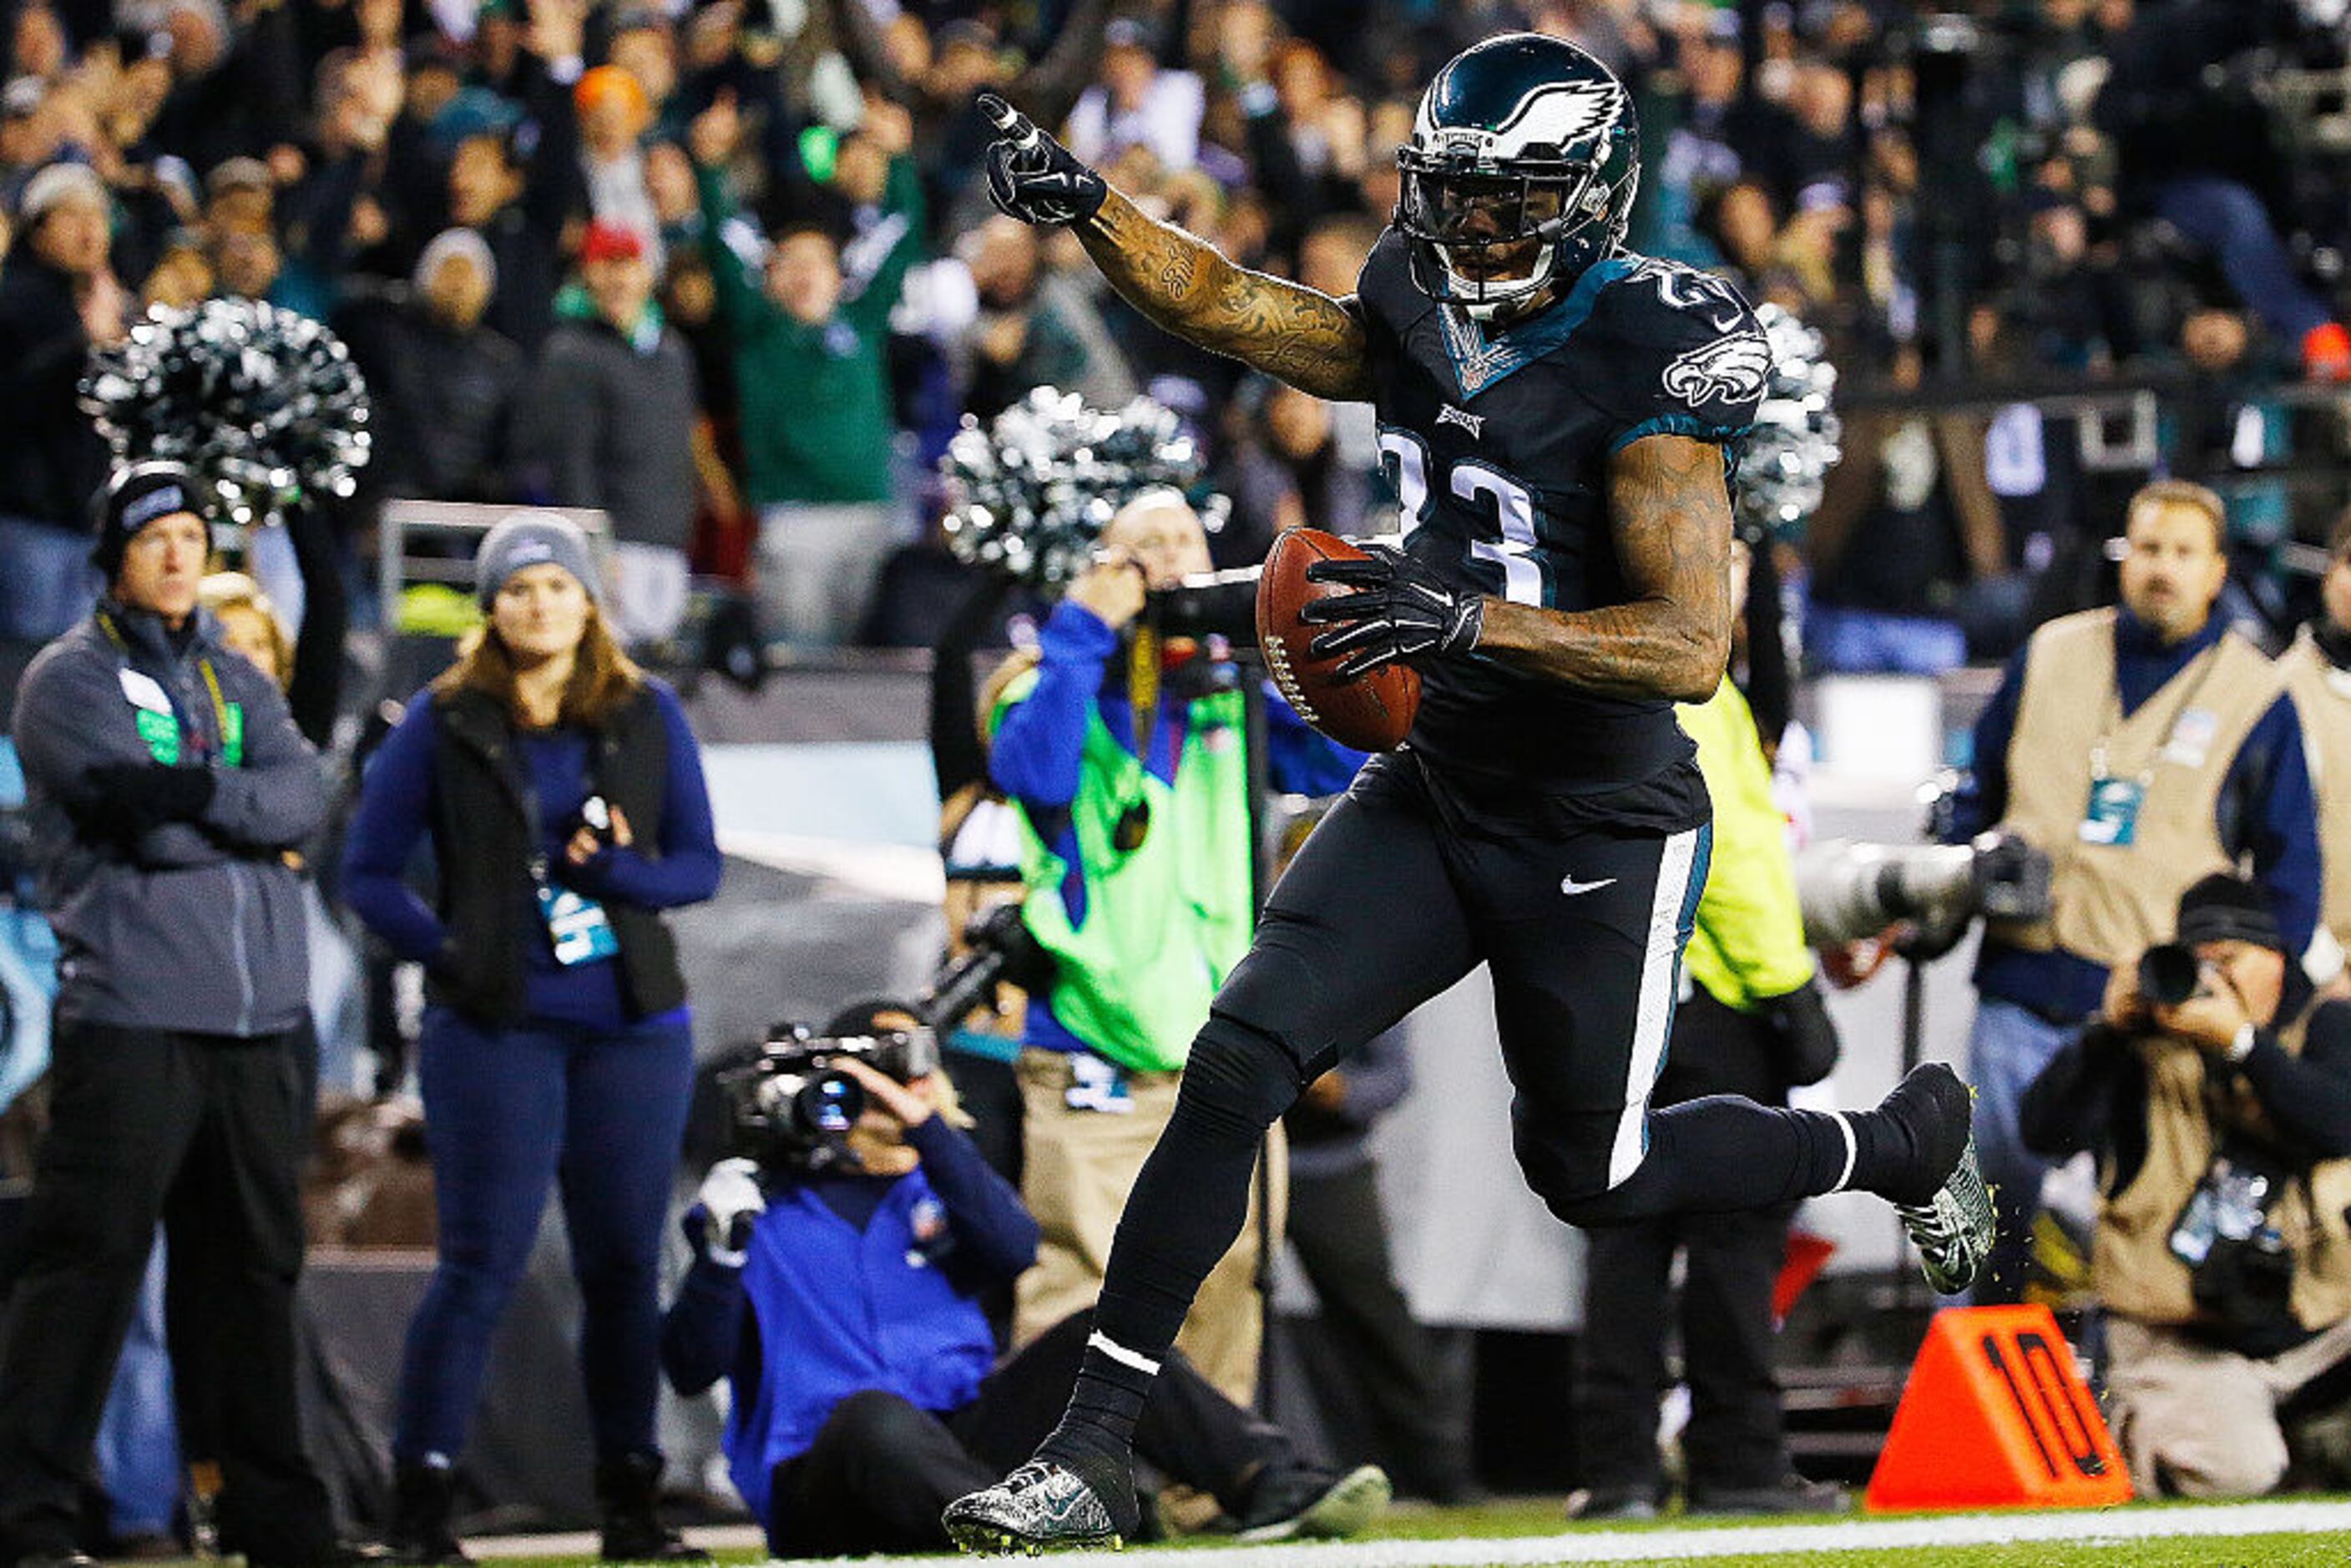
(2322,693)
(2110,902)
(2136,1271)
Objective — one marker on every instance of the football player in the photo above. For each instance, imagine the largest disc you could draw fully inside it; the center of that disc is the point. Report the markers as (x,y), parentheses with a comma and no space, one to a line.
(1553,411)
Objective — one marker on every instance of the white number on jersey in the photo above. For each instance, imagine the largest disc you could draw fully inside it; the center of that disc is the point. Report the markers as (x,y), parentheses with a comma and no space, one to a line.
(1405,460)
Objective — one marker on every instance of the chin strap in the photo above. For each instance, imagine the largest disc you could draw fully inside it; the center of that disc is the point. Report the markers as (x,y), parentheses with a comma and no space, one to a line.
(1484,310)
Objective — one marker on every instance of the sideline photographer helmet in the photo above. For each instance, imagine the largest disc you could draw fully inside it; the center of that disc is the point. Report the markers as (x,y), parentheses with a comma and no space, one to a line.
(1520,138)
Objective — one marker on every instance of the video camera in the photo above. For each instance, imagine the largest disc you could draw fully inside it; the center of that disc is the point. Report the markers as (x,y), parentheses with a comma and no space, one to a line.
(794,1106)
(1000,952)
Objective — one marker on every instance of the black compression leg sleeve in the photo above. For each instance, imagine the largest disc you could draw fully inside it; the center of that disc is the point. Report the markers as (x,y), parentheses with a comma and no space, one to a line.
(1188,1204)
(1709,1155)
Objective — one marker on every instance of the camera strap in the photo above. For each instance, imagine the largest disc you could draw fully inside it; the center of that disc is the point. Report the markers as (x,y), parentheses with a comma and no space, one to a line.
(1142,677)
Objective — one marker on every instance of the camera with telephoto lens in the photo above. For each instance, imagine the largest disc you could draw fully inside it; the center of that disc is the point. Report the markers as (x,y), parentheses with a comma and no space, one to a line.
(1847,890)
(1209,604)
(794,1106)
(2169,973)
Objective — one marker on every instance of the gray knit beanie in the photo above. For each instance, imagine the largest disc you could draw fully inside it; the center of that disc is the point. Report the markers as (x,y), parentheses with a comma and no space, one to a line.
(533,538)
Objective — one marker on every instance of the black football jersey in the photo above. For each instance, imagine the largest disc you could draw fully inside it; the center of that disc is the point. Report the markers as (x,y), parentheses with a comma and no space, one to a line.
(1498,449)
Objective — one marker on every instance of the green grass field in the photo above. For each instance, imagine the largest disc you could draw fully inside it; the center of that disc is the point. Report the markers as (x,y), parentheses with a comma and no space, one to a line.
(1531,1533)
(2218,1551)
(2331,1550)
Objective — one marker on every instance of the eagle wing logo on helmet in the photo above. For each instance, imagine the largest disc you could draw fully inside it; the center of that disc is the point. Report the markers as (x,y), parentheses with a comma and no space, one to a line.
(1565,114)
(1728,370)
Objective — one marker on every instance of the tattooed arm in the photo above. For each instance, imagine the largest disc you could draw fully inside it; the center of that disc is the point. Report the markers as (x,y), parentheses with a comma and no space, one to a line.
(1671,517)
(1290,332)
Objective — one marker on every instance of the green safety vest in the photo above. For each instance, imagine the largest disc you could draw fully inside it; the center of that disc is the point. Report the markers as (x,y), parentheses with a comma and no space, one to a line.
(1166,921)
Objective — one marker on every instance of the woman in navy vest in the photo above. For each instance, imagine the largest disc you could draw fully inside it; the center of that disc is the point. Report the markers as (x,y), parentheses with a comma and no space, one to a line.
(563,797)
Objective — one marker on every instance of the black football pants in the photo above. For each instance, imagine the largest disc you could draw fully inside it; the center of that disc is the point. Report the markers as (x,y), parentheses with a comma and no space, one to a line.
(1385,907)
(207,1133)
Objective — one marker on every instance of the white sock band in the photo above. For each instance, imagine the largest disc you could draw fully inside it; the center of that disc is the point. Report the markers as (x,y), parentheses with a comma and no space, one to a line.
(1150,1368)
(1851,1149)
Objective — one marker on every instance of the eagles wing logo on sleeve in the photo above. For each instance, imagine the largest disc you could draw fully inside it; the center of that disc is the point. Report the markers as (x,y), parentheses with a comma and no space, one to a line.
(1728,370)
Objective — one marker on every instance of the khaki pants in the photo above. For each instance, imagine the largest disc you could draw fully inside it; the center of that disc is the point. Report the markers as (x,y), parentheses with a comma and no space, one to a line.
(1077,1169)
(2194,1421)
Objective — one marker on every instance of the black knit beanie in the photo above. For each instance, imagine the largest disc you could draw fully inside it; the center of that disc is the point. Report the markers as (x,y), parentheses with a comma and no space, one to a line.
(136,496)
(2225,908)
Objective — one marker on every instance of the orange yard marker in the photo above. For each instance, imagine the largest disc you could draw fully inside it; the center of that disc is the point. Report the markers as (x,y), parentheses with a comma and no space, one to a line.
(1995,1416)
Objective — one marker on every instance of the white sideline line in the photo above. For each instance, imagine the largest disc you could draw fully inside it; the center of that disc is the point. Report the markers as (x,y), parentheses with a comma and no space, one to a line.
(585,1542)
(1729,1541)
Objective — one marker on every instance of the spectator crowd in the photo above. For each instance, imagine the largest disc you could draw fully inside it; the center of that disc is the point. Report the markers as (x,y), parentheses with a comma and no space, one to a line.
(725,272)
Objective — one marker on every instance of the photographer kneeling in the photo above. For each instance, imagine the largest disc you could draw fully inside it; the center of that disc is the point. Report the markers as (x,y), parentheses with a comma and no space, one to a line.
(2216,1093)
(837,1283)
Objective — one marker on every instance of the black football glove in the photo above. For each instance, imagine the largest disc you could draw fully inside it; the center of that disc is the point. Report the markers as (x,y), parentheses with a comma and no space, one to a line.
(132,797)
(1033,177)
(1400,609)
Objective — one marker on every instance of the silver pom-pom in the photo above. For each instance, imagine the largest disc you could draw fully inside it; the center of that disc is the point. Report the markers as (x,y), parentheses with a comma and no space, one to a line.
(1784,462)
(265,403)
(1029,492)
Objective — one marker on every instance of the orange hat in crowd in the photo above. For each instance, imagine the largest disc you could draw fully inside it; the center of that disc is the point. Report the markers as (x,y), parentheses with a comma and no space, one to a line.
(606,84)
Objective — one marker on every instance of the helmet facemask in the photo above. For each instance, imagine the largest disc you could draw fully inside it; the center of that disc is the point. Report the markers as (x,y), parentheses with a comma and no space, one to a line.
(1491,238)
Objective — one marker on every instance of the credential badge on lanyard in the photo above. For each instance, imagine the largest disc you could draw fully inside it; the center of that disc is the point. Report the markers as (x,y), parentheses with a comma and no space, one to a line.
(159,722)
(151,710)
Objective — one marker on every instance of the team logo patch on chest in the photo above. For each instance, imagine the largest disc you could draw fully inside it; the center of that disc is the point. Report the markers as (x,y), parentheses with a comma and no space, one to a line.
(1731,369)
(1472,422)
(926,1222)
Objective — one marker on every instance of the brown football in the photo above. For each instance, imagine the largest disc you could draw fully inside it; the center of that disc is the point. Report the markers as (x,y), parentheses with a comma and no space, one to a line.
(1373,712)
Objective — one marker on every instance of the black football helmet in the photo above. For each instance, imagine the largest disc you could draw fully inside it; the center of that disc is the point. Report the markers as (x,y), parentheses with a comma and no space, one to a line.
(1521,141)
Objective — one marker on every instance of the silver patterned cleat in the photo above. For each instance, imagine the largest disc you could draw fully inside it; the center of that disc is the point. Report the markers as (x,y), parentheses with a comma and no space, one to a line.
(1953,1230)
(1041,1506)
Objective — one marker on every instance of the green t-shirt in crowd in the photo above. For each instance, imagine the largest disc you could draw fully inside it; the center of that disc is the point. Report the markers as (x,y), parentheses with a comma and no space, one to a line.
(817,417)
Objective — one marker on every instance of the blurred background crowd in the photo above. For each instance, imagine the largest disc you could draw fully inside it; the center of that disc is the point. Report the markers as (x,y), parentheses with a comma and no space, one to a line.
(726,269)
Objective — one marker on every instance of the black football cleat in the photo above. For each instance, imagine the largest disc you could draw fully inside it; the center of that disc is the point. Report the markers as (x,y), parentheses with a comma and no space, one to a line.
(1315,1505)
